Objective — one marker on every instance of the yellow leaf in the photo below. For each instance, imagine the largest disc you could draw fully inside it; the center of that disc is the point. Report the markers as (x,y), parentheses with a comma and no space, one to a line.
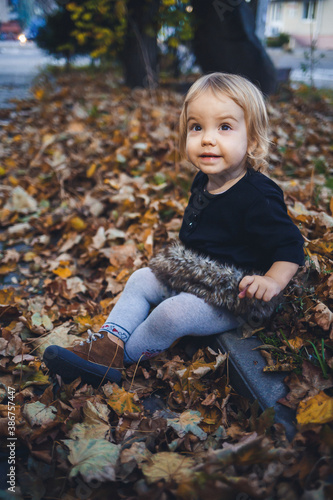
(13,180)
(168,466)
(7,297)
(321,246)
(8,268)
(122,401)
(331,205)
(10,163)
(316,410)
(63,272)
(78,224)
(84,322)
(91,170)
(122,275)
(296,343)
(2,171)
(106,304)
(211,417)
(39,94)
(29,256)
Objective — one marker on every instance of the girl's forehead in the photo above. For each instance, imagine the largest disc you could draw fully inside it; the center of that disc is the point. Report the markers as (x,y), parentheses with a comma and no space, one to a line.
(209,101)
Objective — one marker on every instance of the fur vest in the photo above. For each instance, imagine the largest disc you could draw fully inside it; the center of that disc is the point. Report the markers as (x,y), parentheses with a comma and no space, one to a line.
(185,270)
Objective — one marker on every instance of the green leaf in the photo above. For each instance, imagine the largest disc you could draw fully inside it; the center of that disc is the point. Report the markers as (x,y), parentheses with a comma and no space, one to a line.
(38,414)
(94,459)
(188,422)
(42,320)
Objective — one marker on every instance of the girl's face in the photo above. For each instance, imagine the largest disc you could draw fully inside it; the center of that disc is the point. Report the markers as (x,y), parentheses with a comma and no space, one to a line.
(217,142)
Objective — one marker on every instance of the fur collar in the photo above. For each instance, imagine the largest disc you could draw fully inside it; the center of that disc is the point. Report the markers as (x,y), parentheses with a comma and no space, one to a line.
(184,270)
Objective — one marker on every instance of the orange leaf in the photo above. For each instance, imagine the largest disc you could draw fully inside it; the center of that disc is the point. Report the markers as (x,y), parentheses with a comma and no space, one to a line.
(63,272)
(295,343)
(122,401)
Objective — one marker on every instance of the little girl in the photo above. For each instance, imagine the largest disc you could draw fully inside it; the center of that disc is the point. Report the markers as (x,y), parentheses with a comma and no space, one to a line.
(239,248)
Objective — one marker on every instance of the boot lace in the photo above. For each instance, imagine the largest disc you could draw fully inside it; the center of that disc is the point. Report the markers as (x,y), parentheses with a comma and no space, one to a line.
(91,336)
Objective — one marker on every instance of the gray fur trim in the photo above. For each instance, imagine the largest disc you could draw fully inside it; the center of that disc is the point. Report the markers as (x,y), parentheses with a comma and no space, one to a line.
(184,270)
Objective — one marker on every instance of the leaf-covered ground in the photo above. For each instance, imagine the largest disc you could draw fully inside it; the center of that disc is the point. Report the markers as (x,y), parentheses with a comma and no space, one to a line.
(91,187)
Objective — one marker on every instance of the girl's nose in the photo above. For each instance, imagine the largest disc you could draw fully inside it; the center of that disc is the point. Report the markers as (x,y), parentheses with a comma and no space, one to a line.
(208,138)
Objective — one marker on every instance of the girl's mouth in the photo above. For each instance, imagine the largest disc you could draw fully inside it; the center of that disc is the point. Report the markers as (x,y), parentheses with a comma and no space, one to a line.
(207,155)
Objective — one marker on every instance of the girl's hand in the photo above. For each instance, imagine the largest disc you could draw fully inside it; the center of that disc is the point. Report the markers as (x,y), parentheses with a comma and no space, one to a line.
(261,287)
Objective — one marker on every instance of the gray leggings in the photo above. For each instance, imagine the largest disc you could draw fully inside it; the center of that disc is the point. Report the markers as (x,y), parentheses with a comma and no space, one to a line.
(174,316)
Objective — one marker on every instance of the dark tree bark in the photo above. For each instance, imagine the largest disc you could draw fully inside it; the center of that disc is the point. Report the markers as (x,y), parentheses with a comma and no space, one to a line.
(140,54)
(225,40)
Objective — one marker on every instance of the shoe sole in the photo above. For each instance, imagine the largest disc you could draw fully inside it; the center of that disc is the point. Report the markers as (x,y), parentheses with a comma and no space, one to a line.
(70,366)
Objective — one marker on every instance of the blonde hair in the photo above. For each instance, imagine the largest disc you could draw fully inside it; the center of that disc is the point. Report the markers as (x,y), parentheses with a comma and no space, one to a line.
(248,97)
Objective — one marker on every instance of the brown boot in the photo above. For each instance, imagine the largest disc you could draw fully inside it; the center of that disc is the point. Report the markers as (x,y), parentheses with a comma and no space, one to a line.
(100,348)
(97,360)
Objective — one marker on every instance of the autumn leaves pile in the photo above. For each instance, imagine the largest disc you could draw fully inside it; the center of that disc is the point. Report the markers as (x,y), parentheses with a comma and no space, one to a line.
(91,186)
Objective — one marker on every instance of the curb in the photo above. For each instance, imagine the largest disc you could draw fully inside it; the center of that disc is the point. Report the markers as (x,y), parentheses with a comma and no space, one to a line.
(249,380)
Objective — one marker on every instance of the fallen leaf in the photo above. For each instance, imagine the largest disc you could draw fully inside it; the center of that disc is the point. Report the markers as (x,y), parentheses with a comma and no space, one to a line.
(123,402)
(39,414)
(93,459)
(63,272)
(168,466)
(315,410)
(20,201)
(188,422)
(59,336)
(95,424)
(323,316)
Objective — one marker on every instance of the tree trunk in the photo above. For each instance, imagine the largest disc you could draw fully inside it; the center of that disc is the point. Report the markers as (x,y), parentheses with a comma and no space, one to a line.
(140,54)
(225,40)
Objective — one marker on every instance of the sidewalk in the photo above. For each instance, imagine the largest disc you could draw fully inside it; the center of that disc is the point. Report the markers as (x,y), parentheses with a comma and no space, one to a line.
(323,73)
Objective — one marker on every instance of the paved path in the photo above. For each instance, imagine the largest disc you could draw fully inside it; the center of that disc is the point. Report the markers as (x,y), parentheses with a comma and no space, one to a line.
(323,74)
(20,64)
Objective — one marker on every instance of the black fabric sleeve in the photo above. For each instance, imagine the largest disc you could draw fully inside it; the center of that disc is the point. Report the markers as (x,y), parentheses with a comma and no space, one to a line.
(272,231)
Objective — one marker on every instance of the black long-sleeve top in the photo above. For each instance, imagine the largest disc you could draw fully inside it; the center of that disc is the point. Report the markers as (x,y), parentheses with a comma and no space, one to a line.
(247,225)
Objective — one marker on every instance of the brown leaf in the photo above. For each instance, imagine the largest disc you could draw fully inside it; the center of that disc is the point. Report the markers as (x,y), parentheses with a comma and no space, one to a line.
(309,384)
(323,316)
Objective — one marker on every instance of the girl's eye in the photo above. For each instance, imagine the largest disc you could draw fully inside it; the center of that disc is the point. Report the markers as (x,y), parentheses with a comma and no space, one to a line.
(196,128)
(225,127)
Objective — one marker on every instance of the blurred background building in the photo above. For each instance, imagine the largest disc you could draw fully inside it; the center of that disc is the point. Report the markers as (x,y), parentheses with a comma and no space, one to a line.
(302,20)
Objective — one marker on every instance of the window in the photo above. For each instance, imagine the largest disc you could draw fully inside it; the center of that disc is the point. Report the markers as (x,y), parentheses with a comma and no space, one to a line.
(276,12)
(309,9)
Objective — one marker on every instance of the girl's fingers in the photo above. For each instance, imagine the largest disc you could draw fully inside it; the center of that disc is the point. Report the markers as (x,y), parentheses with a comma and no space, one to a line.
(260,293)
(252,290)
(246,282)
(242,294)
(244,286)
